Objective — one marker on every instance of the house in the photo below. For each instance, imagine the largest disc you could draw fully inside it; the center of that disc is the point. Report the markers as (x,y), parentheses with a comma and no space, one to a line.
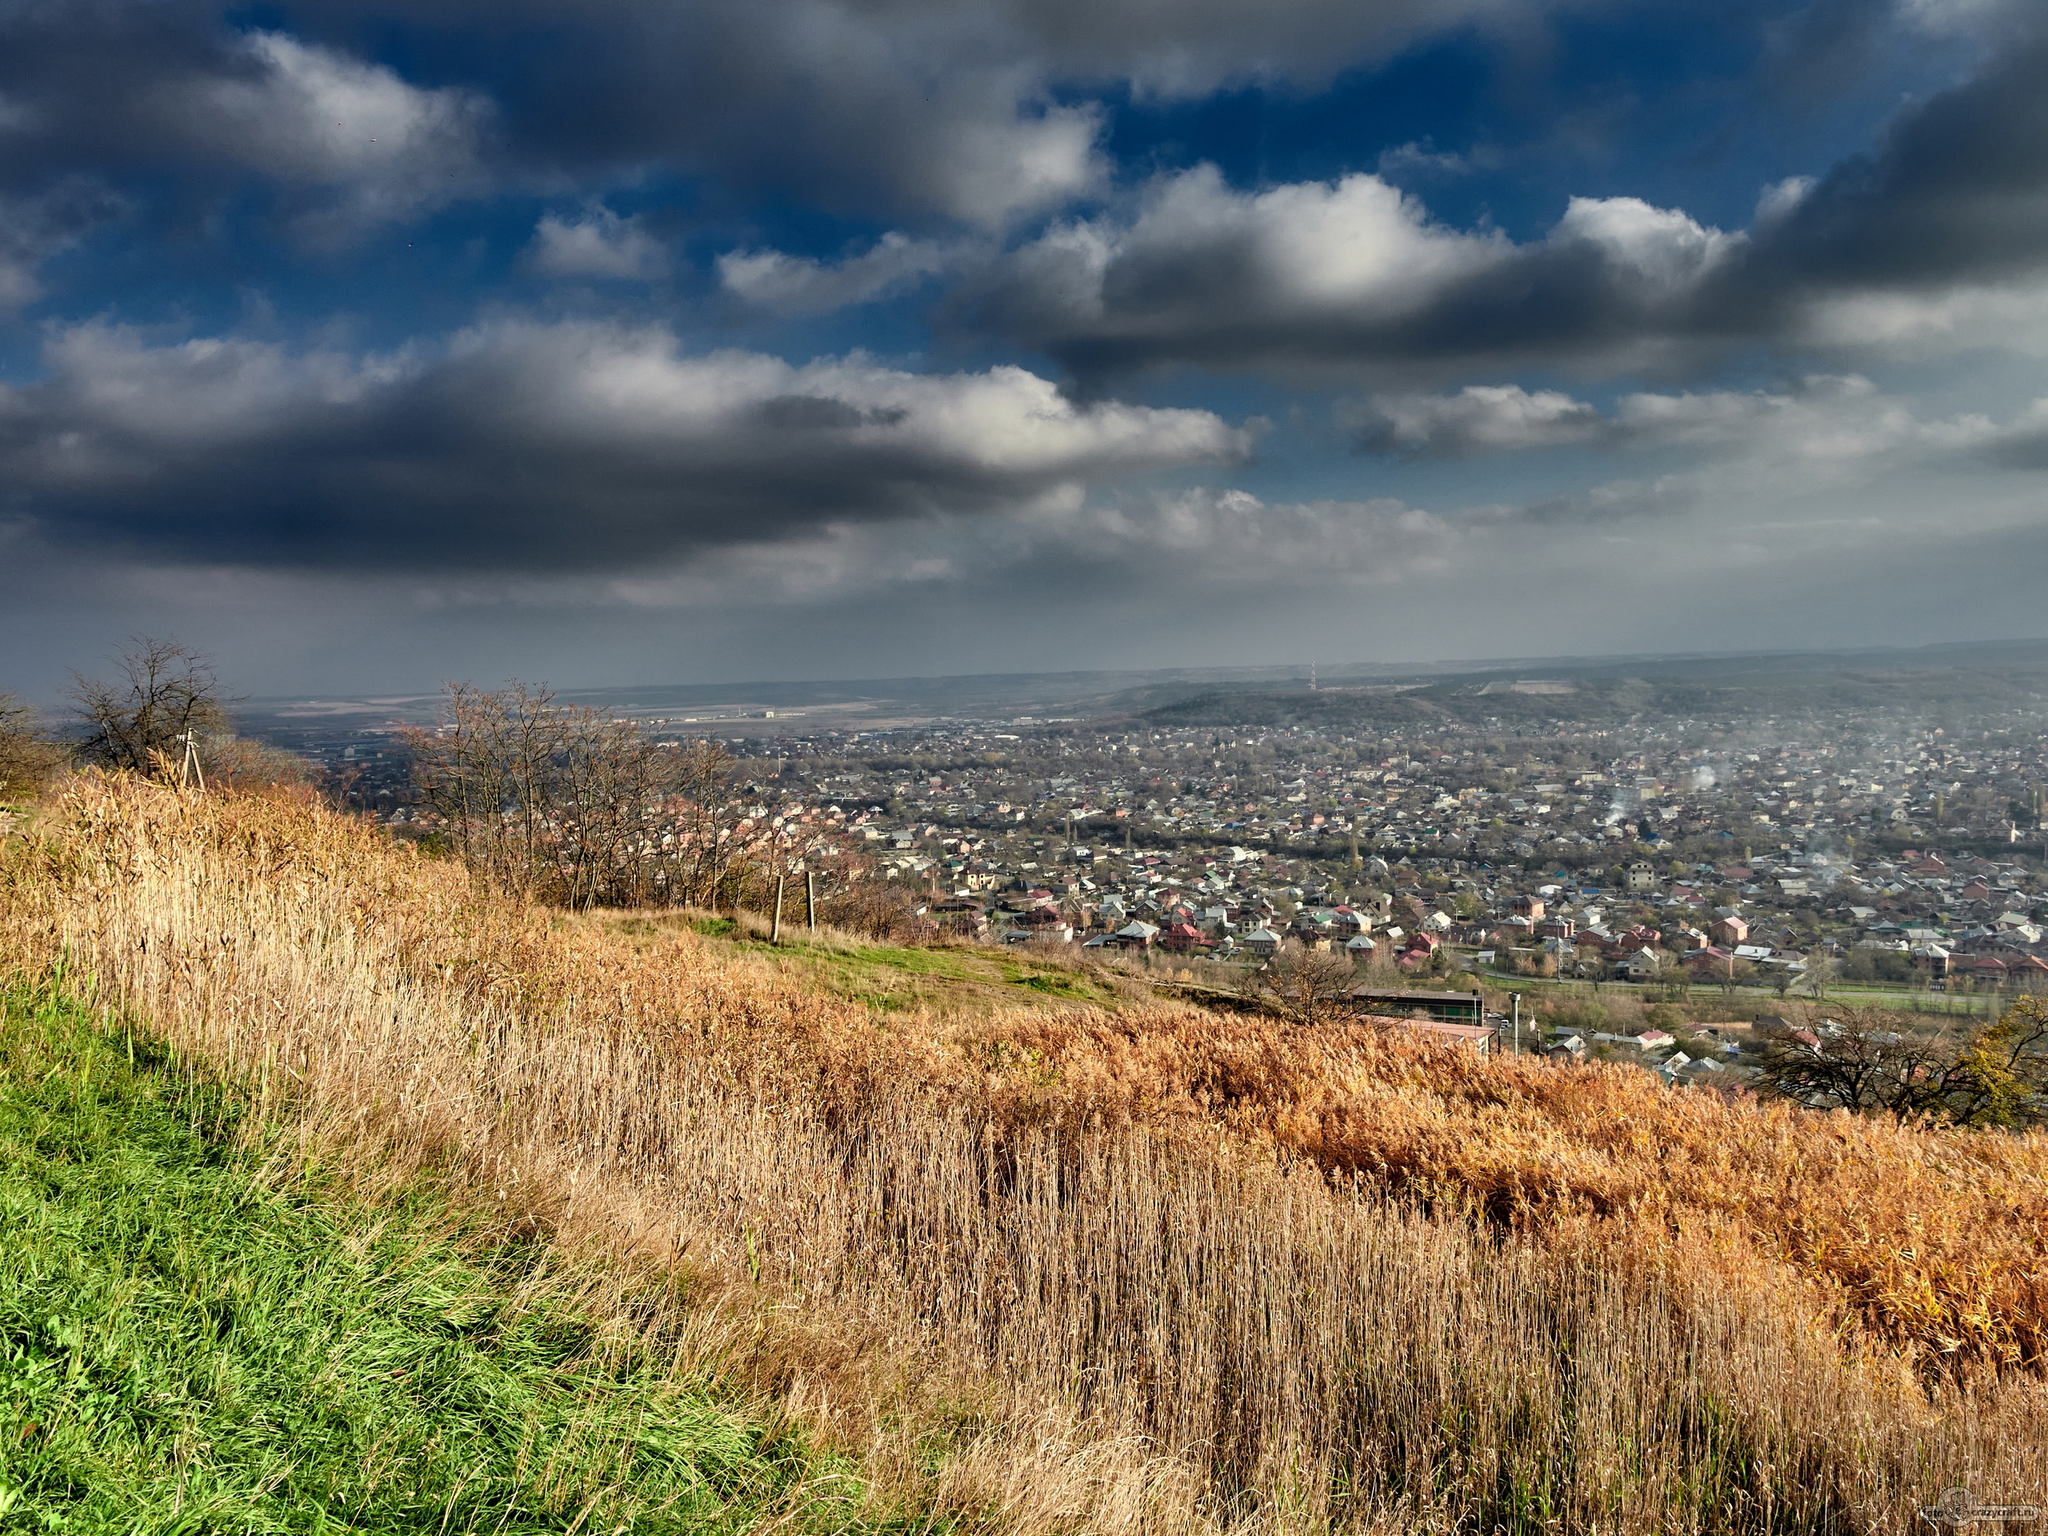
(1571,1048)
(1058,931)
(1729,931)
(1712,961)
(1136,935)
(1638,877)
(1932,958)
(1181,938)
(1643,965)
(1262,942)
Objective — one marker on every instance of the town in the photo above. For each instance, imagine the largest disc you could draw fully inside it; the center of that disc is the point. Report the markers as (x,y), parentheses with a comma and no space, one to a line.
(1753,862)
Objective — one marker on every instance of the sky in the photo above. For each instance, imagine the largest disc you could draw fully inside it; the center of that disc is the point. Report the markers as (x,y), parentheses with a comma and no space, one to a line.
(616,342)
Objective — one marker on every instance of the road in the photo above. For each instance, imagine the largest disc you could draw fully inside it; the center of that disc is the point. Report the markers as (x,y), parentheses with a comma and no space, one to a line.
(1767,999)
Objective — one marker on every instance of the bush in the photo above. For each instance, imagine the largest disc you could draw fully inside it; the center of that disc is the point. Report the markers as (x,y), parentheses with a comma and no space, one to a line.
(879,910)
(1578,1016)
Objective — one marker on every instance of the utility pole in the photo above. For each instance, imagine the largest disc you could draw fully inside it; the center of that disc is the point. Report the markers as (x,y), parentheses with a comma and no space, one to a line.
(191,769)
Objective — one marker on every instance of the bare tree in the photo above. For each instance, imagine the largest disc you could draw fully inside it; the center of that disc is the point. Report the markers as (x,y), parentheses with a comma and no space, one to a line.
(1309,984)
(140,719)
(715,838)
(561,803)
(613,804)
(488,772)
(1861,1060)
(27,757)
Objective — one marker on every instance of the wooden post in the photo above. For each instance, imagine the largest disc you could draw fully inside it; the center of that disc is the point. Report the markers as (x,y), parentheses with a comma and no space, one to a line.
(811,901)
(775,927)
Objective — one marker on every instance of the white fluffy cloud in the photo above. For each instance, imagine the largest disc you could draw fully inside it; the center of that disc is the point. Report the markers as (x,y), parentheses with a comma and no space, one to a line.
(598,244)
(1344,274)
(798,285)
(312,116)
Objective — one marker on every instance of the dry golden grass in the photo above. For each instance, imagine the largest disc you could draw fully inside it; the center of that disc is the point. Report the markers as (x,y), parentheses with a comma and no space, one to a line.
(1153,1271)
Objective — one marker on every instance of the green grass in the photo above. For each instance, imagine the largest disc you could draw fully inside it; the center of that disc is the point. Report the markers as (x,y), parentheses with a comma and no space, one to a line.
(194,1342)
(897,978)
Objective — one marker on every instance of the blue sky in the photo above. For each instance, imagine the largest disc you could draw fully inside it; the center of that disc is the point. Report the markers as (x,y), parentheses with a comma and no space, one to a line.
(622,342)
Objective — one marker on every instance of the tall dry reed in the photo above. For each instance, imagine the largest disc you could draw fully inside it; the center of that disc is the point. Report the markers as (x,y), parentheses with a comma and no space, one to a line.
(1041,1289)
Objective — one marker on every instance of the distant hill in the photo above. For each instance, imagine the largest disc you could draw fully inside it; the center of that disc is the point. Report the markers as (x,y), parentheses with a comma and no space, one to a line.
(1962,682)
(1593,698)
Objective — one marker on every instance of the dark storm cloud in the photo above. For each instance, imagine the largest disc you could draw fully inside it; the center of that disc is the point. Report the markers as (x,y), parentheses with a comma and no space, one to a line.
(896,107)
(533,448)
(1955,191)
(1354,275)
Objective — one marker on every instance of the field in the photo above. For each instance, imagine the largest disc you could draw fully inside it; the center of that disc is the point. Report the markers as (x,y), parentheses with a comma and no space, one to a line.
(1057,1266)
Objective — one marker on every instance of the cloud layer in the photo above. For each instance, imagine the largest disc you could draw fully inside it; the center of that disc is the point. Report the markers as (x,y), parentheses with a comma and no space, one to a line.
(894,309)
(1820,419)
(537,447)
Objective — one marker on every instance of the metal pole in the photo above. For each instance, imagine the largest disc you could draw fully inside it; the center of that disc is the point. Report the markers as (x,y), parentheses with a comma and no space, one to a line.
(1518,1021)
(811,902)
(775,927)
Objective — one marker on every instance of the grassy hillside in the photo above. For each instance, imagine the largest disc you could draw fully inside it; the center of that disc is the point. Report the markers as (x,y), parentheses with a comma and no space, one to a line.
(1060,1268)
(954,978)
(196,1336)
